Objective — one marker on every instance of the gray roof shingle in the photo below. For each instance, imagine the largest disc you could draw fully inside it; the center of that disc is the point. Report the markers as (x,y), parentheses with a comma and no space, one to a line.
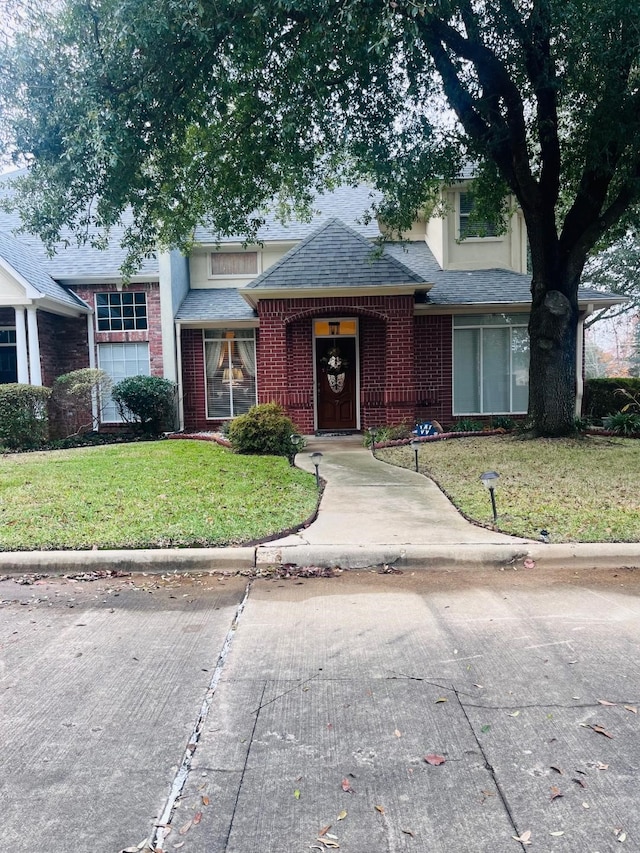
(215,303)
(23,262)
(334,256)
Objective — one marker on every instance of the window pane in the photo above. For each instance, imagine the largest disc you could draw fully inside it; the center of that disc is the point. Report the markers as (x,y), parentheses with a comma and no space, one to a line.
(112,307)
(234,263)
(121,361)
(230,372)
(466,371)
(495,370)
(519,370)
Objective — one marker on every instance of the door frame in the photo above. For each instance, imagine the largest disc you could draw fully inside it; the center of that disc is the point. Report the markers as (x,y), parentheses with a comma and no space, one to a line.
(356,337)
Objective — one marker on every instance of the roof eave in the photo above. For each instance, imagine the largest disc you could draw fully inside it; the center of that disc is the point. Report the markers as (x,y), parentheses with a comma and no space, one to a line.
(254,295)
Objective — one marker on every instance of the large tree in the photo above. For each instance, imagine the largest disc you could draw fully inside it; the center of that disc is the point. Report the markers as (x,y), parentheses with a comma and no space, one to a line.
(202,110)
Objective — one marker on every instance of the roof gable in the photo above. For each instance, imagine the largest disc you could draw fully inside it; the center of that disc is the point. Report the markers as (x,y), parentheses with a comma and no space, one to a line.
(334,256)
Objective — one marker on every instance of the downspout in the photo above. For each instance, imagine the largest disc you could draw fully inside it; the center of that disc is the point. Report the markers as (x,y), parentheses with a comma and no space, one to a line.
(580,360)
(179,376)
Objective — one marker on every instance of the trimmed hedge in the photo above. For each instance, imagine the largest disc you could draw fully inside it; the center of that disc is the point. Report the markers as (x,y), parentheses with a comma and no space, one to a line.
(601,398)
(24,424)
(71,403)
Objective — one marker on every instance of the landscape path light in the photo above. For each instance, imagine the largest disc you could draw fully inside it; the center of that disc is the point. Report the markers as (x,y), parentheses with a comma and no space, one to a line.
(372,432)
(316,458)
(490,481)
(415,446)
(296,440)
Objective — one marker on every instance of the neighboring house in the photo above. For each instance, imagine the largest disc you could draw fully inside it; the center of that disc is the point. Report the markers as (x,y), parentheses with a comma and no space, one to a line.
(312,316)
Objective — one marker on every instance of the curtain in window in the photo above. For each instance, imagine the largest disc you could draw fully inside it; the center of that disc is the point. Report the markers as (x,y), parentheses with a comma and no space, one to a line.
(246,351)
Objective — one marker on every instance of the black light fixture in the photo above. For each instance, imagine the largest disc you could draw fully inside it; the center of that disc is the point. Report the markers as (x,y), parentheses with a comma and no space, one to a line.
(296,440)
(490,481)
(415,446)
(316,458)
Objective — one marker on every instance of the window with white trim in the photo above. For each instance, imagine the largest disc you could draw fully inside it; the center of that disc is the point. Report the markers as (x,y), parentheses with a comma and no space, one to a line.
(230,372)
(490,364)
(121,361)
(8,355)
(468,225)
(121,311)
(234,264)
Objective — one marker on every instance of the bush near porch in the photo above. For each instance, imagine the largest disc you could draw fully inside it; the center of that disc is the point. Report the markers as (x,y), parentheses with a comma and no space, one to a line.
(579,490)
(148,495)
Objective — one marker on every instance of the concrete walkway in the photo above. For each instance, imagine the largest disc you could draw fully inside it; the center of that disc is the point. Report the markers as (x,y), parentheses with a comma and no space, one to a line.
(372,514)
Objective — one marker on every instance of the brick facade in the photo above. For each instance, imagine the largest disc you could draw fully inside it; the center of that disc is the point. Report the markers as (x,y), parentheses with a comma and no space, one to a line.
(63,345)
(405,361)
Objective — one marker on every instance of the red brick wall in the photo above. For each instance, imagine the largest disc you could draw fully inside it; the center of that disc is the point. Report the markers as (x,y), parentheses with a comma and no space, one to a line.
(434,367)
(153,332)
(193,387)
(63,345)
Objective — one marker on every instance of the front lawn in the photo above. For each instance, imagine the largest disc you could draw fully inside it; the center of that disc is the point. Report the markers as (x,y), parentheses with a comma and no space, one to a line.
(148,495)
(579,490)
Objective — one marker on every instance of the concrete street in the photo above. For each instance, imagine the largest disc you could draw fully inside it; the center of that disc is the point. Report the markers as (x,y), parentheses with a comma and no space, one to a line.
(253,722)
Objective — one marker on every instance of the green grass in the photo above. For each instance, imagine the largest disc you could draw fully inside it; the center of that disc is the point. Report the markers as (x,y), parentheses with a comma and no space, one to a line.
(148,495)
(580,490)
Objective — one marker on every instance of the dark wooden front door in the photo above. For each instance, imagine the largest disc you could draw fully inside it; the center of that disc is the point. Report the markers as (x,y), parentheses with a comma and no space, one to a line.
(336,383)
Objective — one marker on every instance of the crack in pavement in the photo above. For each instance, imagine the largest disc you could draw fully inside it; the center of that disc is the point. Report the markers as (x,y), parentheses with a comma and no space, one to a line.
(163,821)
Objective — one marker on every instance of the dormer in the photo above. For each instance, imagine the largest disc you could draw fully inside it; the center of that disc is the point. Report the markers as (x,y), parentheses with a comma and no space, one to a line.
(457,245)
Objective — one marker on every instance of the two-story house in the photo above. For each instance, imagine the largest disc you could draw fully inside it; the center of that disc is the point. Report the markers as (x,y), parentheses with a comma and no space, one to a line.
(345,336)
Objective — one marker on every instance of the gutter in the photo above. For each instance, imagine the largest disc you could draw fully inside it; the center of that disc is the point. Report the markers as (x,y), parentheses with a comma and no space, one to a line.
(580,359)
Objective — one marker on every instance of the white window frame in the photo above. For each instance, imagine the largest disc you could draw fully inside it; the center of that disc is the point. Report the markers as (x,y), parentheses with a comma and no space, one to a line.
(108,410)
(111,293)
(472,238)
(238,276)
(239,335)
(8,343)
(481,327)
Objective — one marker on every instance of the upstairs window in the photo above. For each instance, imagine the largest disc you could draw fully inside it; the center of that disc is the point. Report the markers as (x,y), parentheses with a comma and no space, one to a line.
(470,226)
(234,264)
(121,312)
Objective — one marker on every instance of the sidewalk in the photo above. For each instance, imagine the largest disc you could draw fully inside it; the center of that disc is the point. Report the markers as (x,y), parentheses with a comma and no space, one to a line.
(371,515)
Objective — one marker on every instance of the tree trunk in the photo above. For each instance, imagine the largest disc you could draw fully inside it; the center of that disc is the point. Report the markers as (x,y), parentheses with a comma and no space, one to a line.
(553,325)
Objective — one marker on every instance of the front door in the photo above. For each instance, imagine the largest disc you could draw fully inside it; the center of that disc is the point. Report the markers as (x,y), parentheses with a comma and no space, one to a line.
(336,383)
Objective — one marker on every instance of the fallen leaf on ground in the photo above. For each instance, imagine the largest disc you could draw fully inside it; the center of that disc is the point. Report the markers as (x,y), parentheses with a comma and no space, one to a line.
(197,818)
(346,787)
(529,563)
(379,809)
(580,782)
(556,792)
(557,833)
(441,699)
(601,731)
(205,800)
(514,714)
(342,815)
(324,830)
(486,728)
(606,702)
(631,708)
(185,827)
(178,845)
(296,794)
(622,837)
(557,769)
(398,733)
(601,766)
(585,805)
(408,832)
(524,838)
(436,760)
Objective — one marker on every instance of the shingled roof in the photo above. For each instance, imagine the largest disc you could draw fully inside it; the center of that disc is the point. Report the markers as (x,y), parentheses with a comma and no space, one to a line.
(334,256)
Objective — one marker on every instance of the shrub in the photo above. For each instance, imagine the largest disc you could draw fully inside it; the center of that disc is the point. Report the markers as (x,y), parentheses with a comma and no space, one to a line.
(23,416)
(146,402)
(265,429)
(601,397)
(71,403)
(623,423)
(503,422)
(466,425)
